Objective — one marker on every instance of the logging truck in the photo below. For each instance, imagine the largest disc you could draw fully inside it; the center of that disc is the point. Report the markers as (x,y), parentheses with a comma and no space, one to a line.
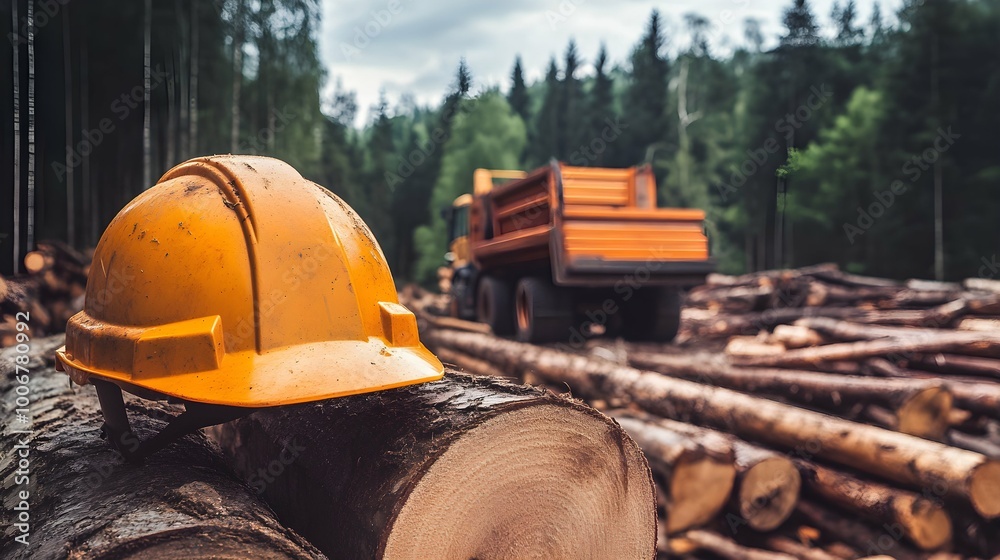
(561,252)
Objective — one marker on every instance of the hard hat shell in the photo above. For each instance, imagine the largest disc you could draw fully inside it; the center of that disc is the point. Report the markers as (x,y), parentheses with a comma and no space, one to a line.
(235,281)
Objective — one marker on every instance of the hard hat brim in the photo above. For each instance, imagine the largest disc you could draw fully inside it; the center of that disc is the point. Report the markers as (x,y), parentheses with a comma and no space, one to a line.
(290,375)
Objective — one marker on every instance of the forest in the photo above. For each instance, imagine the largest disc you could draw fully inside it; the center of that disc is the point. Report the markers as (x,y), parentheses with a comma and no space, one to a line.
(864,143)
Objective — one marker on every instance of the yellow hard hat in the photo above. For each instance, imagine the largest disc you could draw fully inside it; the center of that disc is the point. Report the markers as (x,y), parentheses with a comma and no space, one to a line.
(234,281)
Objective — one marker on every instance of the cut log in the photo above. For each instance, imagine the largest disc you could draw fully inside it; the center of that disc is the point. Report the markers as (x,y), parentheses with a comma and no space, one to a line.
(85,503)
(714,543)
(753,346)
(984,324)
(957,364)
(794,336)
(786,545)
(982,284)
(466,467)
(860,536)
(35,262)
(946,341)
(767,483)
(899,457)
(921,409)
(979,397)
(696,480)
(922,521)
(978,444)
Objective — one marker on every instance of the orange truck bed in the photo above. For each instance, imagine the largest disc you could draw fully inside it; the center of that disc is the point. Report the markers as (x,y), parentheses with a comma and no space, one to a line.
(593,226)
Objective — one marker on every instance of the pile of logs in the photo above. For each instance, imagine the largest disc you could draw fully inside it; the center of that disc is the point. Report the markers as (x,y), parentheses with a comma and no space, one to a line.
(862,419)
(743,305)
(51,290)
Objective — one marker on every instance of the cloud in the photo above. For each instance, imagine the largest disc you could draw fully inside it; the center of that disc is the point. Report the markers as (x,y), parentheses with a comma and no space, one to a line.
(412,46)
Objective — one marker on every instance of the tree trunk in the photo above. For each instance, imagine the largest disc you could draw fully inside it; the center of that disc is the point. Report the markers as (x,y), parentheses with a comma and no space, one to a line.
(465,467)
(147,147)
(696,480)
(921,408)
(923,522)
(239,29)
(84,502)
(68,93)
(16,90)
(899,457)
(193,94)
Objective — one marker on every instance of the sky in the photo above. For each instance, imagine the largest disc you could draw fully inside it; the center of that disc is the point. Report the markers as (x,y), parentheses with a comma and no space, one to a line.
(414,46)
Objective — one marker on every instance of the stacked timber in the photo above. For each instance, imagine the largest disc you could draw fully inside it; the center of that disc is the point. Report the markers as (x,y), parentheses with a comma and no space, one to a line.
(851,426)
(742,305)
(50,291)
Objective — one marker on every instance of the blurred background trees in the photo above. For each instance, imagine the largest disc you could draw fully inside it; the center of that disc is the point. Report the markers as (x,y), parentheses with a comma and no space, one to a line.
(789,150)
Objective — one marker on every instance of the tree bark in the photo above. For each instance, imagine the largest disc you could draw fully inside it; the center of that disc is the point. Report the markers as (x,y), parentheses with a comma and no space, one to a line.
(767,483)
(975,396)
(466,467)
(85,503)
(696,480)
(946,341)
(921,408)
(923,522)
(899,457)
(786,545)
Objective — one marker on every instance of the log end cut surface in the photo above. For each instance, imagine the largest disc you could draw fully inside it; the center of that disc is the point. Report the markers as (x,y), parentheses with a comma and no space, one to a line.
(926,523)
(926,413)
(539,482)
(768,493)
(984,489)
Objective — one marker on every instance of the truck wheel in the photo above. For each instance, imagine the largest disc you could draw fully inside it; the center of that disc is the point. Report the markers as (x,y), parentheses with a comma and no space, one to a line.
(493,305)
(544,312)
(653,314)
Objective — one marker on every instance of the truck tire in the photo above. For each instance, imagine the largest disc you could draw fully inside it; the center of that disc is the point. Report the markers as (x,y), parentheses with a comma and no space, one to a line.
(544,312)
(494,305)
(653,314)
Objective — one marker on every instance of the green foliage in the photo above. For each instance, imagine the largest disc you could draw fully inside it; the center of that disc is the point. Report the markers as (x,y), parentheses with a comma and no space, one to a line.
(486,133)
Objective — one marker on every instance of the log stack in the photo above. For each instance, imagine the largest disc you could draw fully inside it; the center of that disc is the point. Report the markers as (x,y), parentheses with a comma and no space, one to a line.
(50,291)
(860,416)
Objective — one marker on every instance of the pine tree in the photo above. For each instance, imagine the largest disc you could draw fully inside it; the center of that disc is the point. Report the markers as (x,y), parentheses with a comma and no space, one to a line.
(843,19)
(601,109)
(570,123)
(418,170)
(380,190)
(546,141)
(752,34)
(876,27)
(646,96)
(800,26)
(518,96)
